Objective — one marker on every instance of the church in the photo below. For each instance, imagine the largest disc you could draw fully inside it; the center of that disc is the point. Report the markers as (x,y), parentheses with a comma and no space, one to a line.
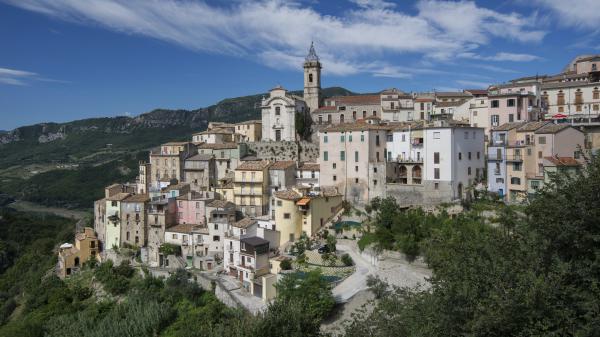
(280,109)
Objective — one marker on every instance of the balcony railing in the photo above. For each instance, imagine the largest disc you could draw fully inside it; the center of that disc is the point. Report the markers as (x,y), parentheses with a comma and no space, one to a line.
(409,160)
(515,158)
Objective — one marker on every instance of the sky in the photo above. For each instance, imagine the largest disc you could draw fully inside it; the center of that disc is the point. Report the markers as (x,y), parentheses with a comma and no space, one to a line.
(62,60)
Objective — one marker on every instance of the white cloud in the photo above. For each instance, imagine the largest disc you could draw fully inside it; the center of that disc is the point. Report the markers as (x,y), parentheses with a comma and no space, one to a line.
(576,13)
(278,32)
(15,77)
(502,56)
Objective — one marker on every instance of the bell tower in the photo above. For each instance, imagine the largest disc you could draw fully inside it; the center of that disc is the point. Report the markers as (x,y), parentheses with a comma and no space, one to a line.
(312,79)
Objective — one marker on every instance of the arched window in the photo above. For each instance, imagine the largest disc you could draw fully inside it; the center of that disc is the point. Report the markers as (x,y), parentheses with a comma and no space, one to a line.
(560,98)
(416,174)
(277,111)
(310,78)
(342,118)
(403,174)
(353,115)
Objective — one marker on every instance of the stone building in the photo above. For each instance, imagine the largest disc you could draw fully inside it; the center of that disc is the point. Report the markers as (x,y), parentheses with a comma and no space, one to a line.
(312,80)
(133,220)
(71,258)
(200,172)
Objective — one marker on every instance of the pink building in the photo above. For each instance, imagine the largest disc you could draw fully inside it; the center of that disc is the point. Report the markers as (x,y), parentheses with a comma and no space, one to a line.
(513,103)
(191,207)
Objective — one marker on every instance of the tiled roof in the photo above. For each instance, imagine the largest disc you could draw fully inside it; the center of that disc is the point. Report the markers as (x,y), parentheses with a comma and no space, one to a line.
(138,198)
(253,121)
(508,126)
(175,143)
(181,228)
(309,166)
(254,241)
(118,197)
(476,91)
(450,103)
(256,165)
(531,126)
(221,204)
(201,157)
(218,130)
(175,187)
(571,84)
(219,146)
(424,99)
(194,195)
(452,94)
(288,195)
(552,128)
(325,109)
(357,100)
(355,127)
(563,161)
(282,165)
(244,223)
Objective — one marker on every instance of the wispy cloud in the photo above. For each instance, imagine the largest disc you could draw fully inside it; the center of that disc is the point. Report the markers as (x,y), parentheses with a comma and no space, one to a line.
(22,77)
(502,56)
(277,32)
(474,84)
(583,14)
(15,77)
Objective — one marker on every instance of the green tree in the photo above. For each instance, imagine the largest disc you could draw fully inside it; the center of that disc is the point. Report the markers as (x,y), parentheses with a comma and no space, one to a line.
(310,290)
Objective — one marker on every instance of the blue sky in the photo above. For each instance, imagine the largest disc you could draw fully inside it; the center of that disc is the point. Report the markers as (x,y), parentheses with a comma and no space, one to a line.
(62,60)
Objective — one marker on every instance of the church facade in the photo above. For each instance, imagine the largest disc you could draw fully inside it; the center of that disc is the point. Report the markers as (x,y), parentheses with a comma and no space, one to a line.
(280,108)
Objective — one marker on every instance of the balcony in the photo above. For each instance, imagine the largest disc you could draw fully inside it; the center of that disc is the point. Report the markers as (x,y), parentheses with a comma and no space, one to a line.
(514,158)
(495,157)
(499,142)
(496,172)
(406,160)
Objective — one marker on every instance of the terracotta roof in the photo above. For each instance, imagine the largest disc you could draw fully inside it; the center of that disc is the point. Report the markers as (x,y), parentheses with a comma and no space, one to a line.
(357,100)
(450,103)
(221,204)
(255,165)
(531,126)
(508,126)
(194,195)
(424,99)
(175,187)
(309,166)
(137,198)
(185,228)
(563,161)
(282,165)
(219,146)
(552,128)
(200,230)
(244,223)
(329,191)
(118,196)
(356,127)
(288,195)
(303,201)
(452,94)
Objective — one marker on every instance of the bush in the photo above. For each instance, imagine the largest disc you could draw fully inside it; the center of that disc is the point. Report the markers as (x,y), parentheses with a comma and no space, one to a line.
(285,264)
(347,260)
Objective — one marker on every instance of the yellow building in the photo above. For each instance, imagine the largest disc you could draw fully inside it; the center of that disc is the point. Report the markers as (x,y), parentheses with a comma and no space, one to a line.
(302,211)
(71,258)
(225,189)
(251,182)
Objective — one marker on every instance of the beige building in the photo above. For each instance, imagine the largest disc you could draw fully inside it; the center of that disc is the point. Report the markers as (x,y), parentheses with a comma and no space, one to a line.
(251,187)
(71,258)
(397,106)
(167,161)
(200,172)
(352,159)
(347,109)
(133,220)
(300,211)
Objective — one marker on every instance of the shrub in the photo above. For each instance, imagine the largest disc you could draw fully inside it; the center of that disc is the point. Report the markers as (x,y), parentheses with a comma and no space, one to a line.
(285,264)
(347,260)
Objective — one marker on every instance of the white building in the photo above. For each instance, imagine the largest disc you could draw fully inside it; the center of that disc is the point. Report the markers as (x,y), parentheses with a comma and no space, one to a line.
(279,115)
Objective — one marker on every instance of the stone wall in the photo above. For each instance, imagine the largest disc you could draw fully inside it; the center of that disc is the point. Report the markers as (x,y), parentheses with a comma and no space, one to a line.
(420,195)
(298,151)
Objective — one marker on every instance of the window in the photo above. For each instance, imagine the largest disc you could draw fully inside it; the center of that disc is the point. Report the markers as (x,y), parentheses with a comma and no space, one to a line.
(342,155)
(356,168)
(540,154)
(511,118)
(376,140)
(334,178)
(342,138)
(515,181)
(478,155)
(174,236)
(517,166)
(279,203)
(356,180)
(403,137)
(495,120)
(596,94)
(474,113)
(334,166)
(286,215)
(535,184)
(325,139)
(325,156)
(561,109)
(436,135)
(495,103)
(374,169)
(436,186)
(469,155)
(596,107)
(460,156)
(541,140)
(436,157)
(277,111)
(216,238)
(362,138)
(375,182)
(310,78)
(510,102)
(436,173)
(356,156)
(469,170)
(216,227)
(350,138)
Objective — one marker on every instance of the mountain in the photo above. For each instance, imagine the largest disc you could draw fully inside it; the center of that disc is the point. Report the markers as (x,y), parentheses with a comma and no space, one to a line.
(78,141)
(66,164)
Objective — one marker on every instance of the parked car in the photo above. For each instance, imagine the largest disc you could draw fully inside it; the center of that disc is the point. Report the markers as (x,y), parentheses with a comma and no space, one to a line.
(323,249)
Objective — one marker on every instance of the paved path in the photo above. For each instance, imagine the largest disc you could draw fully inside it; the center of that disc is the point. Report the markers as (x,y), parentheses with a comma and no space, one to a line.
(395,271)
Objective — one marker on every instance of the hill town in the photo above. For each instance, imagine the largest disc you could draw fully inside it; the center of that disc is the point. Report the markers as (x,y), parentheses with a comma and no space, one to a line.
(243,203)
